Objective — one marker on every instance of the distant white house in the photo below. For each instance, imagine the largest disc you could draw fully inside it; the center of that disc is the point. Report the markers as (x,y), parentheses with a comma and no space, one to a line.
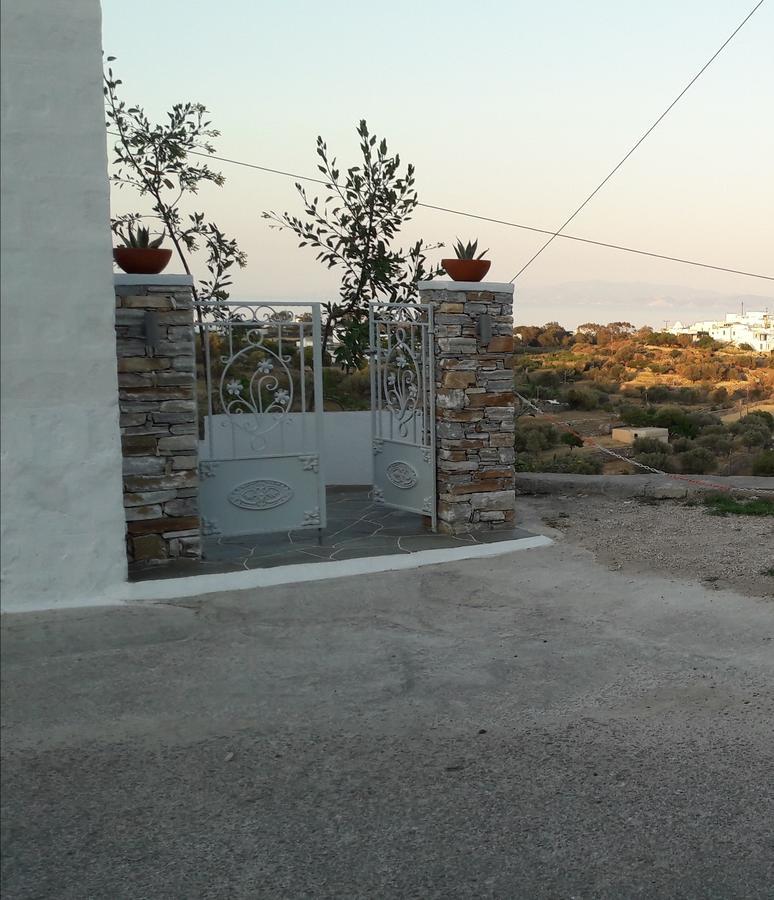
(754,328)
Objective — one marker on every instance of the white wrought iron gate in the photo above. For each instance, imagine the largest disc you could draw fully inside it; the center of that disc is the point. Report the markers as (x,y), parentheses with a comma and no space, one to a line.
(403,406)
(260,404)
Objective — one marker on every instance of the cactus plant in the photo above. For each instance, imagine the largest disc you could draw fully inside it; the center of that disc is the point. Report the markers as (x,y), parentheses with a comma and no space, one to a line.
(141,239)
(468,251)
(141,254)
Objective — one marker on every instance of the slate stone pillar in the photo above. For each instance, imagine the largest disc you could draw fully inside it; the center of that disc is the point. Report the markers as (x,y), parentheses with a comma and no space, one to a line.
(157,399)
(475,420)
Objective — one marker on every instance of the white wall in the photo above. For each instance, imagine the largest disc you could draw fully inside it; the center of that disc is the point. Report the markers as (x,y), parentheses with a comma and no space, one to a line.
(62,516)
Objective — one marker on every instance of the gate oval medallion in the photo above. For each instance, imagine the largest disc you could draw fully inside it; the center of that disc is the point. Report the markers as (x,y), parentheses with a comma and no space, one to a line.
(402,475)
(263,493)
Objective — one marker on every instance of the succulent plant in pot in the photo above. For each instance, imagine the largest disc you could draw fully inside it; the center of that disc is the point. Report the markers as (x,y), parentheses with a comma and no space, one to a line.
(466,266)
(141,253)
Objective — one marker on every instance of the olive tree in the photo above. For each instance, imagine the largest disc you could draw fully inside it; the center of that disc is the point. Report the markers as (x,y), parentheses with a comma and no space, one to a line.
(156,160)
(353,229)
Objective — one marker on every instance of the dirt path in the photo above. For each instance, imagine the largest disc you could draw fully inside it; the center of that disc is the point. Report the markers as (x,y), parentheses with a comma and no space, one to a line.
(663,537)
(760,406)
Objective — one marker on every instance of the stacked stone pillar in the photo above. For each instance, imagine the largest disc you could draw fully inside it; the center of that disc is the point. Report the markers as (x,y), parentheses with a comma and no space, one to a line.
(157,399)
(474,389)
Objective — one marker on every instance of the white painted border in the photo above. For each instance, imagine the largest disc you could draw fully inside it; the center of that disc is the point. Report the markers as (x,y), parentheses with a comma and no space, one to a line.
(162,589)
(171,588)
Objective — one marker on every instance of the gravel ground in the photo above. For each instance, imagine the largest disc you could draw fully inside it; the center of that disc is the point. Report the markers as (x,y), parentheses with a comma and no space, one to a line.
(664,537)
(531,726)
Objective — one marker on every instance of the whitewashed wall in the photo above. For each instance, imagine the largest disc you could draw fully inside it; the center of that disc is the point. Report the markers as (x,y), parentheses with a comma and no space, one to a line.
(62,516)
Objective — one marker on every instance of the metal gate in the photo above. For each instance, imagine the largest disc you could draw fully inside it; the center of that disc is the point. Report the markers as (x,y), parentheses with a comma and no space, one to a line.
(260,408)
(403,406)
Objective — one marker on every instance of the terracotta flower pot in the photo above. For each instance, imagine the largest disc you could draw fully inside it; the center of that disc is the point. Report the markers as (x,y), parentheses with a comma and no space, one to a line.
(466,269)
(142,260)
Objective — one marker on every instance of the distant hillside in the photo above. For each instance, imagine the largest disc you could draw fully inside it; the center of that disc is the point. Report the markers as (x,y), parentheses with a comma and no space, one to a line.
(708,395)
(639,302)
(616,356)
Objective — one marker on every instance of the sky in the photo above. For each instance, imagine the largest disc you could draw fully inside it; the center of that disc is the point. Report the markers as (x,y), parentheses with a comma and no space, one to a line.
(513,110)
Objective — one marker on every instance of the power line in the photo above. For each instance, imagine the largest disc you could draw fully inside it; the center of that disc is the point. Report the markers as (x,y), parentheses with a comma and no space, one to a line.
(652,127)
(470,215)
(572,237)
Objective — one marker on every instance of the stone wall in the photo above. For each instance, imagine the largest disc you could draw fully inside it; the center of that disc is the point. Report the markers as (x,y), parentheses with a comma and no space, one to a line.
(474,404)
(157,400)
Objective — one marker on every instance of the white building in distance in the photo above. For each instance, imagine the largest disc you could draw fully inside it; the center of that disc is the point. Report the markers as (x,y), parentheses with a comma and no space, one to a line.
(754,328)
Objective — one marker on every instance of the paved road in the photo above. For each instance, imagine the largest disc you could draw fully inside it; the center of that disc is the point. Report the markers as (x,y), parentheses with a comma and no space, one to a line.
(527,727)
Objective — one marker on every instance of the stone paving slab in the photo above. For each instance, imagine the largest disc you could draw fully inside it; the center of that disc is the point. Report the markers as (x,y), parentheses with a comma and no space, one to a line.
(357,528)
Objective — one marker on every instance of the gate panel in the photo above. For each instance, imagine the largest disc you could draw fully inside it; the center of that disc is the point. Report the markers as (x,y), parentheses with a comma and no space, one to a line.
(403,406)
(260,404)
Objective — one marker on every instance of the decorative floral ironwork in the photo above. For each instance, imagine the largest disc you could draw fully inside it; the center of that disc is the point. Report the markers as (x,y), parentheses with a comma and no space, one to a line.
(312,516)
(377,495)
(402,475)
(263,493)
(310,463)
(209,527)
(207,469)
(258,404)
(401,387)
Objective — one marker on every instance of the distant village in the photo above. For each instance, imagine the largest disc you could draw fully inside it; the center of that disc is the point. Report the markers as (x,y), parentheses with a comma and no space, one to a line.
(756,329)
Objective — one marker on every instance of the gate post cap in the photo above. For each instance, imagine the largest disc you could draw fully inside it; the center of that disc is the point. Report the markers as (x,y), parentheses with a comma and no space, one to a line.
(495,287)
(122,279)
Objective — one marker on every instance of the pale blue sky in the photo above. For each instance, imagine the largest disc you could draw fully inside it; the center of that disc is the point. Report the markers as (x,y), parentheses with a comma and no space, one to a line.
(509,109)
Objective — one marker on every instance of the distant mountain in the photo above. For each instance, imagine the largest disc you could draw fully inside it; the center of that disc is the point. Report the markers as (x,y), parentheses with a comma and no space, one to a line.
(640,303)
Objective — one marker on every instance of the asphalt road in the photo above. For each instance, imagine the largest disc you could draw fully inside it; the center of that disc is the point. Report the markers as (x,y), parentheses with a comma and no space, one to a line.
(532,726)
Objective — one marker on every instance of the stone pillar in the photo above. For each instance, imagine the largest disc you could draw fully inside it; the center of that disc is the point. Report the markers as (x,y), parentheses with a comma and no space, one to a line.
(474,396)
(157,399)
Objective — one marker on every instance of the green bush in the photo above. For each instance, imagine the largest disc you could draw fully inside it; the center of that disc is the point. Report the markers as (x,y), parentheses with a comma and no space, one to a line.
(571,439)
(681,444)
(720,395)
(754,436)
(583,398)
(573,464)
(658,393)
(635,415)
(349,391)
(524,462)
(546,378)
(675,420)
(715,443)
(698,461)
(661,461)
(759,416)
(725,505)
(650,445)
(535,435)
(763,464)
